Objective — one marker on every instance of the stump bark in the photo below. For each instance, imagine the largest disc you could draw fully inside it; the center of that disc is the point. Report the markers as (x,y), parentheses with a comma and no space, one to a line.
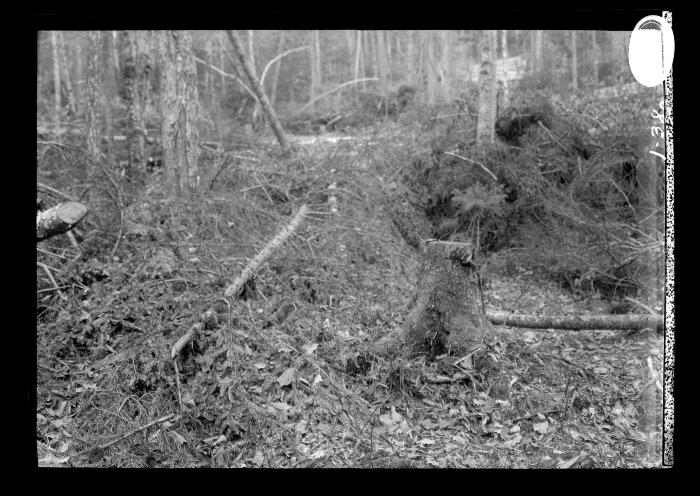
(446,312)
(59,219)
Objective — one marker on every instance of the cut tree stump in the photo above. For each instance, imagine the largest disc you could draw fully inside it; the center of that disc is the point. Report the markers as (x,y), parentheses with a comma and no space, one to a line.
(578,322)
(446,312)
(59,219)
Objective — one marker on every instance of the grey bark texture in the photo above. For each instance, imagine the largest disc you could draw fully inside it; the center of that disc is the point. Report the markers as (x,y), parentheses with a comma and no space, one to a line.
(259,91)
(446,312)
(59,219)
(180,109)
(487,90)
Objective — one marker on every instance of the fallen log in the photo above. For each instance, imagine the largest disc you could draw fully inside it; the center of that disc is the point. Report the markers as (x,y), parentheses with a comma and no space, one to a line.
(236,287)
(186,338)
(578,322)
(332,200)
(59,219)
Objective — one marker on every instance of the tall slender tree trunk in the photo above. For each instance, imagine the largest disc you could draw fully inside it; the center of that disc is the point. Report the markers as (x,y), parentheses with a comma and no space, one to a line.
(137,69)
(594,56)
(358,57)
(445,64)
(366,60)
(108,89)
(208,76)
(180,108)
(373,52)
(276,69)
(382,59)
(390,40)
(319,58)
(39,76)
(315,63)
(574,60)
(222,62)
(487,90)
(56,85)
(539,42)
(430,65)
(504,44)
(79,73)
(251,50)
(259,91)
(411,57)
(114,44)
(68,83)
(350,42)
(421,63)
(97,196)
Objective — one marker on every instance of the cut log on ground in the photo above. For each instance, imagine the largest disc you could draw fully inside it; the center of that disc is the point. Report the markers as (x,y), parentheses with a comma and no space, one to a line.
(59,219)
(332,200)
(578,322)
(236,287)
(446,313)
(186,338)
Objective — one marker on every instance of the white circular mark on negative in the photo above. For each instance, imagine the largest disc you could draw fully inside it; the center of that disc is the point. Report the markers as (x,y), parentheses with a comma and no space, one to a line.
(651,50)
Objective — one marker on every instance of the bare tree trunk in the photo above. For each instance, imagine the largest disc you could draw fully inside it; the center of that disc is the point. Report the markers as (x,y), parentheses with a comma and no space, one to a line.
(66,73)
(504,44)
(222,62)
(539,42)
(318,58)
(594,55)
(208,76)
(430,66)
(56,85)
(276,70)
(213,91)
(136,81)
(390,40)
(108,89)
(487,90)
(259,91)
(358,56)
(411,57)
(39,75)
(251,51)
(180,107)
(79,73)
(373,52)
(350,41)
(315,63)
(94,96)
(574,60)
(114,43)
(366,61)
(382,60)
(619,46)
(94,119)
(445,64)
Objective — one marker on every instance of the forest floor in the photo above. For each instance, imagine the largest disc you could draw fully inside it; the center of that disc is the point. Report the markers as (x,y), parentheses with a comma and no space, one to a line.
(284,375)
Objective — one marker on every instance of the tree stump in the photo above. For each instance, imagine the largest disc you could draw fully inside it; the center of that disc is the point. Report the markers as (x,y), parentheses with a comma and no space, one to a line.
(446,312)
(59,219)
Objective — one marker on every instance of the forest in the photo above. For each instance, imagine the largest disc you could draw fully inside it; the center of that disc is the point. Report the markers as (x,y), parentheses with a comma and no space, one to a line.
(348,248)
